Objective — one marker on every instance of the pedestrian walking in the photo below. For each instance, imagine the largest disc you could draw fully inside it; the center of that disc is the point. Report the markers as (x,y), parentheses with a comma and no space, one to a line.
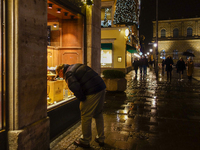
(163,65)
(135,65)
(89,88)
(190,65)
(180,66)
(145,65)
(169,63)
(141,65)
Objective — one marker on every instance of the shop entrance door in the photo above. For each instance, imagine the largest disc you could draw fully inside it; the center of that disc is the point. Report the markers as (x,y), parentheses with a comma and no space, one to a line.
(3,133)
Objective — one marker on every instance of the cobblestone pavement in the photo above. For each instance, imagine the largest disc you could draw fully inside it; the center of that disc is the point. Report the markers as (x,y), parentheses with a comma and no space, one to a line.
(150,115)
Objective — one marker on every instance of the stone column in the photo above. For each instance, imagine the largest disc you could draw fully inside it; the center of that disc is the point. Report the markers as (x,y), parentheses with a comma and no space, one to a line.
(28,126)
(93,27)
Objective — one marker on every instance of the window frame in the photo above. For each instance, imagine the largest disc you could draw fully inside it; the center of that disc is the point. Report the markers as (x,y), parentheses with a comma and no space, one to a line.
(163,33)
(175,33)
(189,32)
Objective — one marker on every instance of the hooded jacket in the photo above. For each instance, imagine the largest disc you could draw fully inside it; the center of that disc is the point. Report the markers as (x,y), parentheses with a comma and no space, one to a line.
(82,80)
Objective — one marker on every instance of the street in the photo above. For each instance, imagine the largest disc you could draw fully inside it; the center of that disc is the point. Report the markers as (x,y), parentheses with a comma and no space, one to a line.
(150,115)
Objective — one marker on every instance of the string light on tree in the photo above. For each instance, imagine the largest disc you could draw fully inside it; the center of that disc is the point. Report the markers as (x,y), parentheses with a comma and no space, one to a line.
(125,12)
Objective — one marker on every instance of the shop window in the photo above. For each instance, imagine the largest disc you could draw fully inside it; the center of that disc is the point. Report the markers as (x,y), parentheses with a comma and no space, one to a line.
(65,39)
(128,59)
(163,33)
(189,32)
(175,54)
(175,33)
(163,54)
(106,17)
(106,58)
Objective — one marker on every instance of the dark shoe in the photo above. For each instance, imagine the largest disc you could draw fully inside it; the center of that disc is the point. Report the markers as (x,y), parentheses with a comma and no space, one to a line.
(78,143)
(100,143)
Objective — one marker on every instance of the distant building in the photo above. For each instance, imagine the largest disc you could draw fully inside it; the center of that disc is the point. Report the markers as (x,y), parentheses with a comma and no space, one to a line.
(177,36)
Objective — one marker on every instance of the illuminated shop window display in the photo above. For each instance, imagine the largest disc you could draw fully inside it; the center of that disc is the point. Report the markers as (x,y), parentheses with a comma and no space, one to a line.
(65,45)
(106,17)
(128,57)
(106,58)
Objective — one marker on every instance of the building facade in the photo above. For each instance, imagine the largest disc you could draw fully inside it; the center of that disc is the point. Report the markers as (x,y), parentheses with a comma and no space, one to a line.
(177,36)
(119,39)
(36,36)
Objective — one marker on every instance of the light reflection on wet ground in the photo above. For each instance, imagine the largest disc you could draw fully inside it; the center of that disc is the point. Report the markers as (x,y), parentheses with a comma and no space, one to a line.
(151,115)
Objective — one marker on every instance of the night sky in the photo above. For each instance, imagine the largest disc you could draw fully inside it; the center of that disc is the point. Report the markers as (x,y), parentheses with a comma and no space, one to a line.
(167,9)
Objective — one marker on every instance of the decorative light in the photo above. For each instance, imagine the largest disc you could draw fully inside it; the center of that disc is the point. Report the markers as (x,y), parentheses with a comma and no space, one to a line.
(137,55)
(54,25)
(150,50)
(125,12)
(155,44)
(50,5)
(147,53)
(126,32)
(58,10)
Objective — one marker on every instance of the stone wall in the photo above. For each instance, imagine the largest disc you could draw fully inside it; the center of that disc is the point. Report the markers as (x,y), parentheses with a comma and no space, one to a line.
(93,27)
(28,125)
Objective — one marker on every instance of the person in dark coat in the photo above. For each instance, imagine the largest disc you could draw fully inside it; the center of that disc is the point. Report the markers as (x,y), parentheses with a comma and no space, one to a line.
(141,65)
(135,65)
(145,64)
(89,88)
(180,66)
(169,63)
(163,65)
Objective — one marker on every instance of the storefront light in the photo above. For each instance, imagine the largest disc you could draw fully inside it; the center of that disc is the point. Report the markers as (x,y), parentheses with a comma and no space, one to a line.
(58,10)
(50,5)
(54,25)
(137,55)
(126,32)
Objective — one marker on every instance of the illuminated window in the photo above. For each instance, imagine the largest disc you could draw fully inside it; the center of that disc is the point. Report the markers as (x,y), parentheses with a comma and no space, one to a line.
(106,18)
(106,58)
(175,54)
(163,33)
(189,32)
(175,32)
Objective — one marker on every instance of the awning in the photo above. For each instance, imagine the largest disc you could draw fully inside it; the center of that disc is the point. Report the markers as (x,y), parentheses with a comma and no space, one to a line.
(131,49)
(106,46)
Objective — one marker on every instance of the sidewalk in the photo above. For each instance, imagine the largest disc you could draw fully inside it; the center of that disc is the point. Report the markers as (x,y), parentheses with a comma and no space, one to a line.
(149,115)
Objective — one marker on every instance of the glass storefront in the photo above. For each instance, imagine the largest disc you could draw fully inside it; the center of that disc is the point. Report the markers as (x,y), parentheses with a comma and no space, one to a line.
(65,40)
(106,58)
(128,59)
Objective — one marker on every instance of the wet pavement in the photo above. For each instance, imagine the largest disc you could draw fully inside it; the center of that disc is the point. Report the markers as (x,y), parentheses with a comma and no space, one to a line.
(152,114)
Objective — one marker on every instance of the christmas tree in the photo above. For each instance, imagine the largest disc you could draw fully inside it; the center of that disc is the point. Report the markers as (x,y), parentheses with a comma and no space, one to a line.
(105,18)
(125,12)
